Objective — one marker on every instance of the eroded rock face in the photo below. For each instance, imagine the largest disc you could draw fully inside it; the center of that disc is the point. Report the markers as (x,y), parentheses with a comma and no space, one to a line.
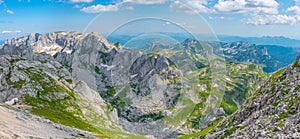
(19,75)
(140,87)
(272,112)
(145,67)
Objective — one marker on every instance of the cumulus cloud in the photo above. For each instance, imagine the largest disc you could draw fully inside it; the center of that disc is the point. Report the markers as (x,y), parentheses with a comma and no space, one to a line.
(262,3)
(247,6)
(272,19)
(294,9)
(100,8)
(220,18)
(77,1)
(228,6)
(191,6)
(10,31)
(277,18)
(259,12)
(116,7)
(145,1)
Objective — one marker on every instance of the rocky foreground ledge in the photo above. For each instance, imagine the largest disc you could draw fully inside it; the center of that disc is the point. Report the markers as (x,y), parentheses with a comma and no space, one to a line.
(15,123)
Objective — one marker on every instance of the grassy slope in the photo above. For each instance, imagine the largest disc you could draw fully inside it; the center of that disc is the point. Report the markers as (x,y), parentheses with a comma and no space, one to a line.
(241,80)
(230,127)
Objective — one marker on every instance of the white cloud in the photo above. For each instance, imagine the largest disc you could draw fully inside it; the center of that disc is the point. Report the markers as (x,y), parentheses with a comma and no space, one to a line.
(191,6)
(256,12)
(145,1)
(297,2)
(272,19)
(285,19)
(11,31)
(5,8)
(259,12)
(230,6)
(294,9)
(10,11)
(220,18)
(77,1)
(100,8)
(116,7)
(247,6)
(262,3)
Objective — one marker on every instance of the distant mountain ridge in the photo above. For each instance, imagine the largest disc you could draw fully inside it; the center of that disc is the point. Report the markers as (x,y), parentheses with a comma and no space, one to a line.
(266,40)
(180,37)
(249,53)
(286,55)
(232,51)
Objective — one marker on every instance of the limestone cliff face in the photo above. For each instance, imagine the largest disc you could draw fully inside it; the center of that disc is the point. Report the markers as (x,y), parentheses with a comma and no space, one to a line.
(141,87)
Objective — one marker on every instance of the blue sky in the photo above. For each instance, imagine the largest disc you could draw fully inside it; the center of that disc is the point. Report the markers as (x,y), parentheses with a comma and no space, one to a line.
(228,17)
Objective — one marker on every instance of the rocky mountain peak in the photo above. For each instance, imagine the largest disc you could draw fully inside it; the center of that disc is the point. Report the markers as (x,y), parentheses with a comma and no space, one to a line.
(193,46)
(190,41)
(52,43)
(96,37)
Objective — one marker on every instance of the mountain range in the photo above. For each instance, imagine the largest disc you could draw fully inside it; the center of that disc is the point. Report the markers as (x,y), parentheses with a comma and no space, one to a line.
(83,86)
(264,40)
